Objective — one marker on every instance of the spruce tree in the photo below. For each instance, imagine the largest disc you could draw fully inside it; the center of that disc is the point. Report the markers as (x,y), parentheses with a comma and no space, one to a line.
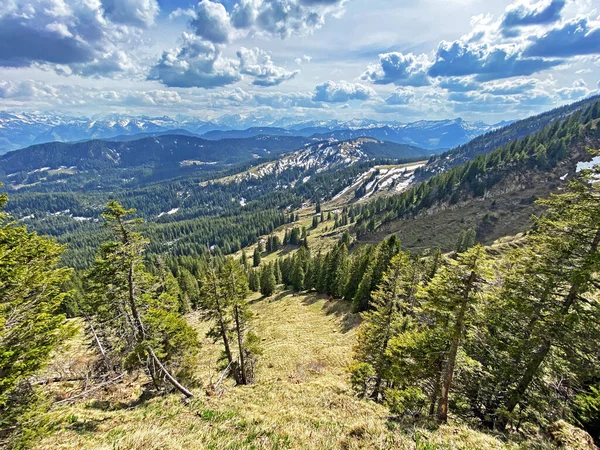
(30,324)
(451,299)
(256,258)
(386,319)
(557,279)
(138,314)
(267,281)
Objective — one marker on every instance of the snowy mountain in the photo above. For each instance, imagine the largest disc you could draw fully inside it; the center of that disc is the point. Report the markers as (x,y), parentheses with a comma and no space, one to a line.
(21,130)
(329,156)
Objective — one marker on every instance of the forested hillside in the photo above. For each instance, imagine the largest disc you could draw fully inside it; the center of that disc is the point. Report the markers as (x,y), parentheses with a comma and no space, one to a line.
(278,305)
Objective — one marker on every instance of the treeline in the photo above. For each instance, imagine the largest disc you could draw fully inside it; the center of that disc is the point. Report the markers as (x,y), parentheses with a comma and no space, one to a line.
(542,150)
(499,137)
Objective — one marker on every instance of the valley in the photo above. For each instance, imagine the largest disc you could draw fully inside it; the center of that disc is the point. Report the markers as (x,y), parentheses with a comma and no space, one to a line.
(311,236)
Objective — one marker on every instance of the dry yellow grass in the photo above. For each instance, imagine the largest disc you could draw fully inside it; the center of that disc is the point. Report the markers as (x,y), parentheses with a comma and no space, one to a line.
(302,398)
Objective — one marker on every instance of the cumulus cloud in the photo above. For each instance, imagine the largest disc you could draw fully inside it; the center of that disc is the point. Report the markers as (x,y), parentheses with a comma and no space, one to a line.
(400,97)
(524,13)
(152,98)
(399,69)
(53,33)
(283,17)
(211,22)
(304,59)
(139,13)
(331,92)
(27,89)
(258,64)
(573,38)
(196,63)
(485,62)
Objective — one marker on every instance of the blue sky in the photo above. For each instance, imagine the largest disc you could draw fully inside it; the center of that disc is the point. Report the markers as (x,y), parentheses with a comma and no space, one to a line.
(395,60)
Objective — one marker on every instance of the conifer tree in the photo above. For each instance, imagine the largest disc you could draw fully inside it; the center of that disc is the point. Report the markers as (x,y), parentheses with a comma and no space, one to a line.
(137,314)
(235,291)
(451,299)
(557,278)
(384,321)
(30,325)
(256,258)
(267,281)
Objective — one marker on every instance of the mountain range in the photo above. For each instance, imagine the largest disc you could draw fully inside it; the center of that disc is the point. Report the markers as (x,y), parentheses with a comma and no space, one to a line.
(18,130)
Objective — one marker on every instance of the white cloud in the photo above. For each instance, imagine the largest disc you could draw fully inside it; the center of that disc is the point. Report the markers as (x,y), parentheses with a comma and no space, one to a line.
(196,63)
(211,22)
(399,69)
(258,64)
(332,92)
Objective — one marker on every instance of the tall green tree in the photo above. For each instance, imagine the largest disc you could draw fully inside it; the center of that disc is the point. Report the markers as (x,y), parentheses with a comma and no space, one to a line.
(558,279)
(267,281)
(388,317)
(451,299)
(137,314)
(30,324)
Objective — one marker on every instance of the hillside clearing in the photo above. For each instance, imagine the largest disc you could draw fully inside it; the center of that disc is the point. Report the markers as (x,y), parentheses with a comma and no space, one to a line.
(302,398)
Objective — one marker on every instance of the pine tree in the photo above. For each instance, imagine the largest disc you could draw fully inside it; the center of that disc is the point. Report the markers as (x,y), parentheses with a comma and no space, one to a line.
(137,313)
(256,257)
(30,325)
(298,274)
(557,278)
(450,299)
(189,288)
(235,291)
(267,281)
(386,319)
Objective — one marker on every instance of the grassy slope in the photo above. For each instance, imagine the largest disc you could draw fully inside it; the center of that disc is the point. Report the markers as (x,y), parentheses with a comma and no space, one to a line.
(302,398)
(506,210)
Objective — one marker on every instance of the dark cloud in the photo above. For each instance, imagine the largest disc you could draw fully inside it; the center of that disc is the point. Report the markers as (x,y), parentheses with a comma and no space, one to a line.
(538,13)
(577,37)
(74,37)
(331,92)
(196,63)
(399,69)
(457,59)
(23,43)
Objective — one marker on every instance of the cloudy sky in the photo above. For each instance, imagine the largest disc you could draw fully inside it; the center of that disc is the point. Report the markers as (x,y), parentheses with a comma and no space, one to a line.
(396,60)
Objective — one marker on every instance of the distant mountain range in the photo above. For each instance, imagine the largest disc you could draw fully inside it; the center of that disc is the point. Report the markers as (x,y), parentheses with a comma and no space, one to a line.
(22,130)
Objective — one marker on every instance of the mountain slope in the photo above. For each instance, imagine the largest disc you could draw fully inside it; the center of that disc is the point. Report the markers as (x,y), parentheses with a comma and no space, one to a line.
(489,141)
(170,150)
(329,156)
(474,194)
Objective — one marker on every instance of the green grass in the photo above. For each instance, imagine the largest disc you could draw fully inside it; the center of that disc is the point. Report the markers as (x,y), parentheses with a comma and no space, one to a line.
(302,398)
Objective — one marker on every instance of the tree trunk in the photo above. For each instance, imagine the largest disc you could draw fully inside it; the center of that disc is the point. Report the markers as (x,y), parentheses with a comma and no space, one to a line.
(169,377)
(98,343)
(435,392)
(540,355)
(134,311)
(244,380)
(451,361)
(222,323)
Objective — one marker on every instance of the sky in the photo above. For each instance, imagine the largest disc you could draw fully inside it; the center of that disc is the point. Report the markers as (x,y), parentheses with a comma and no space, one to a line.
(388,60)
